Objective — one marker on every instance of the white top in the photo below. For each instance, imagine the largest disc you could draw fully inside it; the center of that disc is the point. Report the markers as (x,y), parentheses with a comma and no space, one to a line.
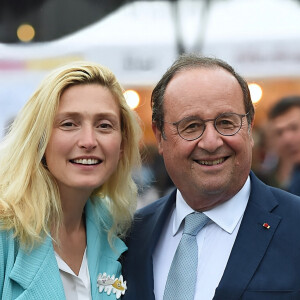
(215,242)
(76,287)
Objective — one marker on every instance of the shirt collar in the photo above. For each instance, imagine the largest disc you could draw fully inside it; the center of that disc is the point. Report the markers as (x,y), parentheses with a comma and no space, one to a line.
(226,215)
(63,266)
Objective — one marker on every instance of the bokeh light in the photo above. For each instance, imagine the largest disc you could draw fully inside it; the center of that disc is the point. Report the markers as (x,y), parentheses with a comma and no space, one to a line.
(25,33)
(255,92)
(132,98)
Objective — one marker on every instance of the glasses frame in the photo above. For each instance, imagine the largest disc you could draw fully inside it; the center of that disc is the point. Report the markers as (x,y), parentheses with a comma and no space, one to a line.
(209,120)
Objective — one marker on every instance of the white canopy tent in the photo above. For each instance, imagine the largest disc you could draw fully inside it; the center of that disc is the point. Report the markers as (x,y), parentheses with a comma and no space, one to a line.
(138,42)
(130,42)
(260,38)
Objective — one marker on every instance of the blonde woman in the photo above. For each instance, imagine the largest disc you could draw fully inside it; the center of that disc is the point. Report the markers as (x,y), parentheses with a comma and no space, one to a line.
(66,191)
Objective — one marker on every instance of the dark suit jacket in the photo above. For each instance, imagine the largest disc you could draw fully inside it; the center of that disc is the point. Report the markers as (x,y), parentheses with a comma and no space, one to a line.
(294,186)
(263,264)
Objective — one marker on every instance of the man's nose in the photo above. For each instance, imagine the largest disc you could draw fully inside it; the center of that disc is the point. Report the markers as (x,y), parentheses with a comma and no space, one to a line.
(210,140)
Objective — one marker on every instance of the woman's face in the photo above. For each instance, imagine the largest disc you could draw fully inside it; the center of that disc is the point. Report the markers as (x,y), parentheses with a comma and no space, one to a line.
(86,142)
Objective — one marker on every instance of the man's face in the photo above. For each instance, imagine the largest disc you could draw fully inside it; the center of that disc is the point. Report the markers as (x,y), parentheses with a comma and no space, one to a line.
(287,134)
(212,168)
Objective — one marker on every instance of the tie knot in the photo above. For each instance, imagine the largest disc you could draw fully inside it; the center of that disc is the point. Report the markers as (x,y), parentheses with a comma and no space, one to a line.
(194,222)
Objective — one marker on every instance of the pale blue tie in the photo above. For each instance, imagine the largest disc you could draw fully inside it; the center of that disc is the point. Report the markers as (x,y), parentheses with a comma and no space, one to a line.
(182,275)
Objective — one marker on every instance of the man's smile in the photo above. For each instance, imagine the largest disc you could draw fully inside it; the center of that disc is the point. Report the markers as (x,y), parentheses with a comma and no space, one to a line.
(211,162)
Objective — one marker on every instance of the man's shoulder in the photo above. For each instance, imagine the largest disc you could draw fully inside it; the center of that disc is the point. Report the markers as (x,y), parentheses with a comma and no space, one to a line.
(267,193)
(153,207)
(286,201)
(153,216)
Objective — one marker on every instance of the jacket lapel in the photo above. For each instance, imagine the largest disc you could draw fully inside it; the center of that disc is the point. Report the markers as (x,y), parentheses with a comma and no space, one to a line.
(251,242)
(147,228)
(37,272)
(101,257)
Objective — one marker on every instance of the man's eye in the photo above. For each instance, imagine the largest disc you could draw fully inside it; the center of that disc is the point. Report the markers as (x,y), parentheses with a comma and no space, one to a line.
(192,126)
(294,127)
(225,123)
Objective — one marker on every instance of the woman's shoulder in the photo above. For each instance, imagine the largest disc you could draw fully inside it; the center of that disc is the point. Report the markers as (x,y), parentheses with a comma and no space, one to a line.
(6,237)
(8,245)
(7,240)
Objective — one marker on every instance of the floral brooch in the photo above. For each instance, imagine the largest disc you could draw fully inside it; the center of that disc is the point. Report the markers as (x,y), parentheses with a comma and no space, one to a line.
(111,284)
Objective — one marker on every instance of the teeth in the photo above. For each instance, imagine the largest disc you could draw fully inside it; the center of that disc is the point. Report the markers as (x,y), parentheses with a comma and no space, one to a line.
(86,161)
(211,162)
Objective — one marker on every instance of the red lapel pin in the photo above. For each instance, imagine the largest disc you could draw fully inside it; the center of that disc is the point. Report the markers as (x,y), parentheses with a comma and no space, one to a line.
(266,225)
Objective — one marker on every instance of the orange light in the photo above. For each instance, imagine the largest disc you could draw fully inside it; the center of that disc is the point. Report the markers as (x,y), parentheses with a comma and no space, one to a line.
(25,33)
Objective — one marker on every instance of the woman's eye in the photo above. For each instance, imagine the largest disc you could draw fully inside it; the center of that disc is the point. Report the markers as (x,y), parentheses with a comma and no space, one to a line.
(107,126)
(68,124)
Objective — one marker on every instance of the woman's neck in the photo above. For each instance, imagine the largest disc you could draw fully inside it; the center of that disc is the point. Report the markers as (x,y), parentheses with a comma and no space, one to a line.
(73,203)
(72,232)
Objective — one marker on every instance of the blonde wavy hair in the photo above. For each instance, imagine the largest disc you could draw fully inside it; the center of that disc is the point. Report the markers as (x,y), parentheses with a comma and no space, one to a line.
(29,198)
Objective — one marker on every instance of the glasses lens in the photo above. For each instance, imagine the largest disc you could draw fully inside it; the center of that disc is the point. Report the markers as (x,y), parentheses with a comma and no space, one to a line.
(228,124)
(190,128)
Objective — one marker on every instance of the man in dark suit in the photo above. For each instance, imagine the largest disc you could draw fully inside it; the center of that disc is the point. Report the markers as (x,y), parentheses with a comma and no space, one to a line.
(285,121)
(249,244)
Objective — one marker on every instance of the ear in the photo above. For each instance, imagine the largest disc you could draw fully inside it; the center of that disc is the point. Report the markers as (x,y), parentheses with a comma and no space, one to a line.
(250,133)
(158,137)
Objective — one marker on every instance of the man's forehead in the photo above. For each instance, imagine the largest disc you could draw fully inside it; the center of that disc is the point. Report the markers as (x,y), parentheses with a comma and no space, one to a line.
(202,75)
(286,120)
(288,115)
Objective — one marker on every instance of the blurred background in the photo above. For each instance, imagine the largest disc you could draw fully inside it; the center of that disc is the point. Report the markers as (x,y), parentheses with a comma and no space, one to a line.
(138,41)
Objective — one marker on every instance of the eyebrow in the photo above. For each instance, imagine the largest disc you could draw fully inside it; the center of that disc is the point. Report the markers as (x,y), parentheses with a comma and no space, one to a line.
(79,114)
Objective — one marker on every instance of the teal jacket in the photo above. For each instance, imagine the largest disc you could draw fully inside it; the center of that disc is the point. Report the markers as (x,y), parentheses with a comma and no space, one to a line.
(35,275)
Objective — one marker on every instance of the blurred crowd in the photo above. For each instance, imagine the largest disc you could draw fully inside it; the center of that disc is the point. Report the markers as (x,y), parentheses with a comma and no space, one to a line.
(152,179)
(276,154)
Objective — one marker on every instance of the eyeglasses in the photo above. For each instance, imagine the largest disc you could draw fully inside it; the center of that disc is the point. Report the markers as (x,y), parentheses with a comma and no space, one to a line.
(227,124)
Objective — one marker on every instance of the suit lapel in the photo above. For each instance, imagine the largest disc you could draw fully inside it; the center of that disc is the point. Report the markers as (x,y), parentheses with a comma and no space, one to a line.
(37,272)
(251,242)
(151,223)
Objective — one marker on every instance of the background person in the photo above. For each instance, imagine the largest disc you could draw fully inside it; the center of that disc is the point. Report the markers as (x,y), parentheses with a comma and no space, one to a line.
(66,192)
(153,180)
(249,244)
(284,117)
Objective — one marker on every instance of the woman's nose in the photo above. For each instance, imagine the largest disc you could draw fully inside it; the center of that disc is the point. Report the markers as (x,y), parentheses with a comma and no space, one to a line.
(87,138)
